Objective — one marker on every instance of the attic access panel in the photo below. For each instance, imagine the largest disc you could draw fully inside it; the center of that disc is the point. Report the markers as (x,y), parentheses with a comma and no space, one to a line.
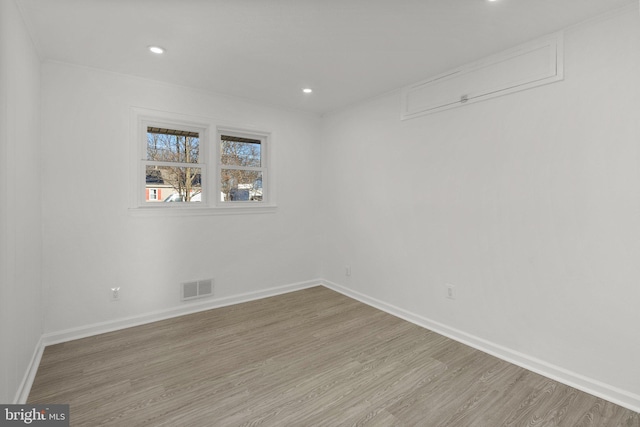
(530,65)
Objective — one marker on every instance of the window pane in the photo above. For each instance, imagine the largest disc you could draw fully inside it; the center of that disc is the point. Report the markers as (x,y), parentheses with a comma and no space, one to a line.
(173,184)
(171,145)
(241,185)
(238,151)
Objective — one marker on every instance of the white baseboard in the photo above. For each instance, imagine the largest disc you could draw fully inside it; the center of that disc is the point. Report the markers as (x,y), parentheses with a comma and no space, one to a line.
(189,308)
(22,394)
(588,385)
(27,380)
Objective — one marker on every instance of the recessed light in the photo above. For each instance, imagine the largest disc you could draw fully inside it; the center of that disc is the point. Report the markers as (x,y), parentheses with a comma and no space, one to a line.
(307,90)
(156,49)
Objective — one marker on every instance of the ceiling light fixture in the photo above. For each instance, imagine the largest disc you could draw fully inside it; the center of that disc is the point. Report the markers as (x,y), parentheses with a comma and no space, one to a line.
(156,49)
(307,90)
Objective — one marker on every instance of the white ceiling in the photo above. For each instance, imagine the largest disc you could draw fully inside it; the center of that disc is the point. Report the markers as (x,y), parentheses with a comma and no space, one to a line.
(268,50)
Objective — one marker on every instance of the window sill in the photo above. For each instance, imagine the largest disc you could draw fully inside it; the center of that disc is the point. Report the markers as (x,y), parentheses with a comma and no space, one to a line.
(149,211)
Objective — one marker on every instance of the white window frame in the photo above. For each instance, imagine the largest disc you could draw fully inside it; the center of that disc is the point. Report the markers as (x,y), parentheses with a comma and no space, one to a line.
(209,162)
(155,194)
(265,157)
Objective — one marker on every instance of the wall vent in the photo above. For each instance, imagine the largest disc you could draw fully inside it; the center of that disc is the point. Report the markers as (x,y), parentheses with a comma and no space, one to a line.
(197,289)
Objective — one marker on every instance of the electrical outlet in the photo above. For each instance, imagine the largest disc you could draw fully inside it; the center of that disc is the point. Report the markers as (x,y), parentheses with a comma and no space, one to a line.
(347,271)
(451,291)
(115,294)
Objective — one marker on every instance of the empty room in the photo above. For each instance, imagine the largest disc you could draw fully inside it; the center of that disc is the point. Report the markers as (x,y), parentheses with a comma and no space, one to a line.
(320,213)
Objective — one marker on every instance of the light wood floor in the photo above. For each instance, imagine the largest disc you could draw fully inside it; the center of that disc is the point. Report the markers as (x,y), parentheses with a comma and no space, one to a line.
(308,358)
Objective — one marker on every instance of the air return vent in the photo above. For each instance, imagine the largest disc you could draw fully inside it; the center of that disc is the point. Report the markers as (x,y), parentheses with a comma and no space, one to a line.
(197,289)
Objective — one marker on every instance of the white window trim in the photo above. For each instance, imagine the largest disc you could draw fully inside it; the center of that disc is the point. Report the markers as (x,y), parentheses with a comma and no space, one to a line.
(209,153)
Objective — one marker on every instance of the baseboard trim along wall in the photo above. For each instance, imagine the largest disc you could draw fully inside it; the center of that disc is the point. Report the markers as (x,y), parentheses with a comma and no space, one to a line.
(188,308)
(588,385)
(22,394)
(27,380)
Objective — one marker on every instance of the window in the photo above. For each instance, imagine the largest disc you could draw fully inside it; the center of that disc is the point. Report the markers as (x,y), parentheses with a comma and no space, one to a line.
(178,166)
(173,163)
(242,167)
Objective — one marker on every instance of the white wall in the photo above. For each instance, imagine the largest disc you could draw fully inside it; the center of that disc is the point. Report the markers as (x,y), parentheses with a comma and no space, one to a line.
(91,240)
(529,204)
(20,208)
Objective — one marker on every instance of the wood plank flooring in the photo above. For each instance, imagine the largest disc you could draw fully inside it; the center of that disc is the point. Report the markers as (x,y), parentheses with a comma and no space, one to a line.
(307,358)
